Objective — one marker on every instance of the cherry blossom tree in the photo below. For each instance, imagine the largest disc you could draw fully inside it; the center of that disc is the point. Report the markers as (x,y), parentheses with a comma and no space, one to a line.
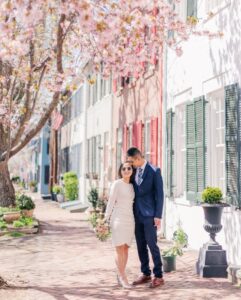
(44,45)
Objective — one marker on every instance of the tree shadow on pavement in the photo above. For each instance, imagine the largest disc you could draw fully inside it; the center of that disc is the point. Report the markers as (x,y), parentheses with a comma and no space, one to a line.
(171,290)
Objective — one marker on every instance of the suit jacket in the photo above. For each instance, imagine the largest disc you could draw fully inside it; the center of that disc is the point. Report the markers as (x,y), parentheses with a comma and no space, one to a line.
(149,194)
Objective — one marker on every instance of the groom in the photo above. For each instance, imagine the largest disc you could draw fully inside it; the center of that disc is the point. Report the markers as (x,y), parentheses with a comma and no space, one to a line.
(148,207)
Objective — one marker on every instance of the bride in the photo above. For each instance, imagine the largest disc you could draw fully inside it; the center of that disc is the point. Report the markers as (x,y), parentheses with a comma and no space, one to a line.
(119,213)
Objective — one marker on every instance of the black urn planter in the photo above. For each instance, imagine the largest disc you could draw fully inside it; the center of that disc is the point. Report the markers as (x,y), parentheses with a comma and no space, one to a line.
(212,261)
(212,215)
(169,263)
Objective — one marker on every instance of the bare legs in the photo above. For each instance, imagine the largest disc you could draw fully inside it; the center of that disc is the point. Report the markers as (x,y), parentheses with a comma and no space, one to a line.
(121,261)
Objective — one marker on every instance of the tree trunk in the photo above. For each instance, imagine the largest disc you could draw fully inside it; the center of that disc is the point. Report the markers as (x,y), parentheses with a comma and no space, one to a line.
(7,193)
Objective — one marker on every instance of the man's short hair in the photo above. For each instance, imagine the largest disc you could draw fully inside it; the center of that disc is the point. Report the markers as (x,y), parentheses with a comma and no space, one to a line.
(133,151)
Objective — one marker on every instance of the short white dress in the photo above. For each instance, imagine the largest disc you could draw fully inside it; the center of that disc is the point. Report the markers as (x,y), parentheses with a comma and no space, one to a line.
(119,212)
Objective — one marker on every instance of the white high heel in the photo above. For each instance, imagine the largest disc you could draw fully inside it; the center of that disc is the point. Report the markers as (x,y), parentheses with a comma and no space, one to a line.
(124,284)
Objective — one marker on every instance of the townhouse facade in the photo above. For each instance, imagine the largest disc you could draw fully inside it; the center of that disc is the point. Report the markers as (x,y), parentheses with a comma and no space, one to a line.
(137,116)
(84,136)
(102,119)
(202,126)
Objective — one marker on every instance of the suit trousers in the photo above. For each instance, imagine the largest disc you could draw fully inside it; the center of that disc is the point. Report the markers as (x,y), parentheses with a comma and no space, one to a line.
(146,237)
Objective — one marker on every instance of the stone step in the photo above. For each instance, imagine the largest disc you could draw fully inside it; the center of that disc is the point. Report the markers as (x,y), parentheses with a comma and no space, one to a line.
(74,206)
(67,204)
(234,272)
(78,208)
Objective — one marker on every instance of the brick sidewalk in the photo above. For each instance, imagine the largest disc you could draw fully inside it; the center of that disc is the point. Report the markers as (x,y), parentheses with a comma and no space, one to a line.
(66,262)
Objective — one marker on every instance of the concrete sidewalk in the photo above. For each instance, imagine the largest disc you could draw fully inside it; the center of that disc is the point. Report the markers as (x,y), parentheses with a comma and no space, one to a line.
(66,262)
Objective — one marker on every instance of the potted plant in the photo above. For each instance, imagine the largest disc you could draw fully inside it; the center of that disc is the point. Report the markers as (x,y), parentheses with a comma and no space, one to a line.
(93,198)
(169,255)
(71,186)
(26,205)
(10,214)
(15,179)
(59,192)
(212,204)
(33,186)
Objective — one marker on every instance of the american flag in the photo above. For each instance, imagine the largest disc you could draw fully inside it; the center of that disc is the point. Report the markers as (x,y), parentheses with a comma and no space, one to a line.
(57,120)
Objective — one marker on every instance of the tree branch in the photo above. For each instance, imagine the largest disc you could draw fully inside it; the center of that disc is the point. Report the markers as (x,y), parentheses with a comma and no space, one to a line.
(40,125)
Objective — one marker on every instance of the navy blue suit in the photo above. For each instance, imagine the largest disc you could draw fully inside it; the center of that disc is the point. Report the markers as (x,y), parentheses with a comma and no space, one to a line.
(148,205)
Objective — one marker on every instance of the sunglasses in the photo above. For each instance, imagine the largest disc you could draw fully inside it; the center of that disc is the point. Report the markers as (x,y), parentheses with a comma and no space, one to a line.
(127,169)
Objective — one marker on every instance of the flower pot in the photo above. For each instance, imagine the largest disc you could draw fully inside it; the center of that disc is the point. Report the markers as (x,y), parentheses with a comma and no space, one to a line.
(212,224)
(169,263)
(27,213)
(60,198)
(11,216)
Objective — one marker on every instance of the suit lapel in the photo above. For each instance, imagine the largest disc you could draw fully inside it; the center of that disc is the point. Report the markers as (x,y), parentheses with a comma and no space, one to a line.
(145,172)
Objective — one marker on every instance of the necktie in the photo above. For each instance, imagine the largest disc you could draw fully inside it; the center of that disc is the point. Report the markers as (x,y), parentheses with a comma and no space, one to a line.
(139,177)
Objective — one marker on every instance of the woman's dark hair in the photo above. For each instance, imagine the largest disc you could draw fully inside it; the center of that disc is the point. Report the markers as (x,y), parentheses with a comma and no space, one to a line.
(132,178)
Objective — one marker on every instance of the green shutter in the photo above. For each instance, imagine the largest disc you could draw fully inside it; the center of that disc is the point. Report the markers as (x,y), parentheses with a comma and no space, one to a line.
(195,148)
(199,105)
(191,8)
(232,138)
(170,153)
(190,152)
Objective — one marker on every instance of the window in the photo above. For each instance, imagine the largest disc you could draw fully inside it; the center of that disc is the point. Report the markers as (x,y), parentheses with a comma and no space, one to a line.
(179,151)
(94,155)
(46,174)
(147,140)
(77,103)
(66,112)
(118,149)
(47,150)
(191,8)
(106,150)
(216,140)
(89,155)
(98,155)
(76,159)
(65,160)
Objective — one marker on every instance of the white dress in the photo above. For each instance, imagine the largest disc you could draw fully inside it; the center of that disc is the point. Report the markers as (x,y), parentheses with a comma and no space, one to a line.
(119,212)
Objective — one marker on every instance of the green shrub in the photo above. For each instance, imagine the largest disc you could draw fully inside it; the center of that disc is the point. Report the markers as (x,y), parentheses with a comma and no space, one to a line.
(15,234)
(180,237)
(8,209)
(23,221)
(25,202)
(15,179)
(57,189)
(172,251)
(71,186)
(93,197)
(212,195)
(3,224)
(33,183)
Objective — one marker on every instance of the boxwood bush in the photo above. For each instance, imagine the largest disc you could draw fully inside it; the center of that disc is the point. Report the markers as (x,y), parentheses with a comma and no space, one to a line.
(212,195)
(71,186)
